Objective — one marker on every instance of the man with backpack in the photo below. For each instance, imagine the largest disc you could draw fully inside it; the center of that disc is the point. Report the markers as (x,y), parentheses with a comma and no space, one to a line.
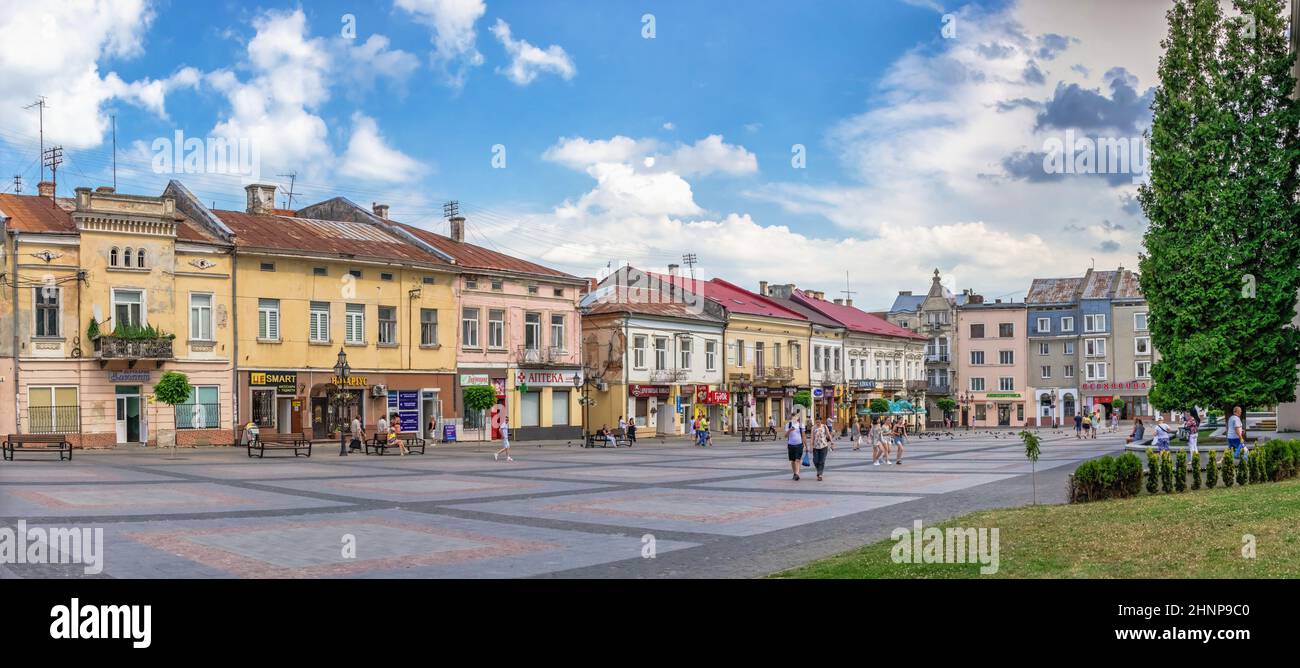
(794,443)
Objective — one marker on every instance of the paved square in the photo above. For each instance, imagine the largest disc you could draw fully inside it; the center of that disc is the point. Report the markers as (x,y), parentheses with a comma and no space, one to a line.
(440,487)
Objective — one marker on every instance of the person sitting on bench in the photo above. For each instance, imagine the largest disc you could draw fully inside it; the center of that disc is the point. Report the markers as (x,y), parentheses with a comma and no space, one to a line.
(607,435)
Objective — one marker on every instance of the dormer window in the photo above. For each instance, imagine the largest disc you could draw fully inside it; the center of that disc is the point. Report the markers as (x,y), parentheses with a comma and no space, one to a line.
(112,257)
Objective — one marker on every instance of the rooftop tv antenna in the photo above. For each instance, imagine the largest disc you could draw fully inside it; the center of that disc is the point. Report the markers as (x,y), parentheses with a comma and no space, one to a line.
(40,108)
(689,259)
(18,184)
(848,294)
(293,177)
(53,157)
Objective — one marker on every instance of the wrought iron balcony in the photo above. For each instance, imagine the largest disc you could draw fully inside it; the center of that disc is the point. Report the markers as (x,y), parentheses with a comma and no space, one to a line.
(667,375)
(547,356)
(158,350)
(938,388)
(892,384)
(918,386)
(771,373)
(937,358)
(832,377)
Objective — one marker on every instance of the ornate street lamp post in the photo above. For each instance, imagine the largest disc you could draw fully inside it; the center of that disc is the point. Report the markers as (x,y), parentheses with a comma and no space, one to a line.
(341,398)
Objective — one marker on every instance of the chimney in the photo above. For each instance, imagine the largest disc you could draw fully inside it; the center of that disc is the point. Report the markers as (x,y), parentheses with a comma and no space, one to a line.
(672,270)
(848,302)
(839,302)
(45,189)
(380,210)
(107,190)
(457,228)
(762,288)
(904,293)
(261,198)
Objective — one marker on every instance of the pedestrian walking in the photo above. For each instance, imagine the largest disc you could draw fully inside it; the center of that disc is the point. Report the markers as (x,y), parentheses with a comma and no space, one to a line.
(358,435)
(900,436)
(1192,422)
(631,433)
(1114,421)
(855,434)
(1236,433)
(1163,434)
(884,436)
(1087,426)
(771,426)
(1078,426)
(505,441)
(822,445)
(794,443)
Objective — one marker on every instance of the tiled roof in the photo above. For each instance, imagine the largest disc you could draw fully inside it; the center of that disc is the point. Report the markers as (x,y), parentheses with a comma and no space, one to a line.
(1053,290)
(734,298)
(477,257)
(31,213)
(642,302)
(856,319)
(326,237)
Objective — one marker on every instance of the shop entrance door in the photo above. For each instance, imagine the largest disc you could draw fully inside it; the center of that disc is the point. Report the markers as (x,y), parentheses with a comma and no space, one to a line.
(130,417)
(1004,415)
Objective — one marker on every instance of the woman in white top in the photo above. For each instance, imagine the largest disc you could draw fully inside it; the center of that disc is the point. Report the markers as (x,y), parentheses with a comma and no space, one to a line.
(822,445)
(884,436)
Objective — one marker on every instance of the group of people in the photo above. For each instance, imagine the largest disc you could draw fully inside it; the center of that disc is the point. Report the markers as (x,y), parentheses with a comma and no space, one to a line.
(1088,425)
(625,428)
(386,428)
(886,435)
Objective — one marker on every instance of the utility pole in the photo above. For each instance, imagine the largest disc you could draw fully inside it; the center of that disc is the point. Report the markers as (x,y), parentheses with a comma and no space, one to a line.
(40,107)
(114,117)
(689,259)
(18,184)
(53,158)
(293,177)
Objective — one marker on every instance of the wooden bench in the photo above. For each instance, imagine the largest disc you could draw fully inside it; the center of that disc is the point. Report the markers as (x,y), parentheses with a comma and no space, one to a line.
(37,443)
(413,442)
(298,443)
(755,434)
(596,441)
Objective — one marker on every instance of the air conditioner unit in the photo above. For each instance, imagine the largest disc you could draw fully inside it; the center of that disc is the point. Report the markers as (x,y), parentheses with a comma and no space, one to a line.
(378,391)
(602,386)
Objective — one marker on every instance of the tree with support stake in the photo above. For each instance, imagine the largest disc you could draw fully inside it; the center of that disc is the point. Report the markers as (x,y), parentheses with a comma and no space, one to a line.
(1032,452)
(172,389)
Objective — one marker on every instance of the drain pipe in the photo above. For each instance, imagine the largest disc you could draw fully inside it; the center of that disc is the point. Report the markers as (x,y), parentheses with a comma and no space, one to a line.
(13,245)
(234,336)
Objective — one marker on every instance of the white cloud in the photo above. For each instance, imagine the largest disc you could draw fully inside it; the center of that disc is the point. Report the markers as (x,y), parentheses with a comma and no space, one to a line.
(710,155)
(527,62)
(369,157)
(362,64)
(670,126)
(454,36)
(54,48)
(579,153)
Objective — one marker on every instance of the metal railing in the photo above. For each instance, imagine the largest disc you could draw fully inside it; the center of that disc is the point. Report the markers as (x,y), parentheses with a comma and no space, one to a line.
(667,375)
(541,356)
(774,373)
(918,386)
(198,416)
(53,420)
(111,347)
(937,358)
(892,384)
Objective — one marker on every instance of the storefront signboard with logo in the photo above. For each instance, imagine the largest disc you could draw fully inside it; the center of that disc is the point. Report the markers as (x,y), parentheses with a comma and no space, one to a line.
(561,378)
(129,377)
(646,391)
(406,403)
(474,379)
(284,382)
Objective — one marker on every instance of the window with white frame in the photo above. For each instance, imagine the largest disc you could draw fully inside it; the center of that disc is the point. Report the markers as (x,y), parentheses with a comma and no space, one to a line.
(976,357)
(496,328)
(1069,347)
(976,384)
(1006,357)
(661,353)
(200,316)
(837,360)
(1095,322)
(47,301)
(469,327)
(354,324)
(268,319)
(1140,322)
(1096,370)
(817,358)
(428,327)
(558,340)
(1045,371)
(1006,384)
(1044,349)
(318,322)
(1142,345)
(1069,371)
(638,351)
(1142,369)
(796,354)
(710,355)
(387,325)
(128,308)
(532,331)
(1044,325)
(1094,347)
(685,345)
(200,410)
(1067,323)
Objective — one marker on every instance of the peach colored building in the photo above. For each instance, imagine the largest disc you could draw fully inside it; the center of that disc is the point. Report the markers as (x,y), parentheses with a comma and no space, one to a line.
(994,388)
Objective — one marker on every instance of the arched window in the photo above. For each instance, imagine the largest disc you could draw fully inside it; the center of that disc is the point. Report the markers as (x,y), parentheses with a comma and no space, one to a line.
(139,258)
(112,257)
(127,257)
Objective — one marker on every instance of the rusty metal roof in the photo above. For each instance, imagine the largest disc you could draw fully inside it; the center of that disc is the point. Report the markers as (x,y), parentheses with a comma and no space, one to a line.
(31,213)
(1053,290)
(641,301)
(1130,286)
(1098,284)
(477,257)
(326,237)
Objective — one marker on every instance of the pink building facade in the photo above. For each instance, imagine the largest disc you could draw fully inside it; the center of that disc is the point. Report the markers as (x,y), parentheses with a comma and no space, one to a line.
(991,368)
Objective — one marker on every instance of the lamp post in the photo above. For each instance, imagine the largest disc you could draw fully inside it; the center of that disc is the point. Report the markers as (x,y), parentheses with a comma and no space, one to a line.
(967,400)
(341,372)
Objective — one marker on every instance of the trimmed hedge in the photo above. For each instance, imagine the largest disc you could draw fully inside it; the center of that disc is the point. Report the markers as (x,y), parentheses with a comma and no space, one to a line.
(1106,477)
(1119,477)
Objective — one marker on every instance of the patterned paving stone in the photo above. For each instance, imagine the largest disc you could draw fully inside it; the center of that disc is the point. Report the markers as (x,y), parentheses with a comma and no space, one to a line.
(280,471)
(660,473)
(24,472)
(110,500)
(700,511)
(429,488)
(879,479)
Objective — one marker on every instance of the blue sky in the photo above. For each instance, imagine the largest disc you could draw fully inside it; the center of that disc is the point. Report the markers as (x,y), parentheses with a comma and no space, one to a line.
(922,149)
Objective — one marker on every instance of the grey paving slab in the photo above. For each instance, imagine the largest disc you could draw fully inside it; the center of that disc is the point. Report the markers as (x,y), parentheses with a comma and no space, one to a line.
(879,479)
(440,487)
(166,498)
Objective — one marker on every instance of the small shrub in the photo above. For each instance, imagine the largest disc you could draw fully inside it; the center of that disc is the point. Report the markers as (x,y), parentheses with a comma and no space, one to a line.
(1212,471)
(1106,473)
(1196,471)
(1166,473)
(1153,471)
(1243,471)
(1129,470)
(1083,483)
(1261,468)
(1180,472)
(1229,469)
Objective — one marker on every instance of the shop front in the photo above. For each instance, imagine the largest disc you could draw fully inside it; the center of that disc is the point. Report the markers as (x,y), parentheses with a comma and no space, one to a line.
(713,405)
(311,402)
(823,402)
(652,409)
(546,405)
(997,409)
(1134,393)
(473,425)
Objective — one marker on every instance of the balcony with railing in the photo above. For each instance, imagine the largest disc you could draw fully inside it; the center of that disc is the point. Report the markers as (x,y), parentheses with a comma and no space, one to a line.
(918,386)
(543,356)
(938,388)
(773,373)
(830,377)
(892,384)
(667,375)
(132,350)
(936,358)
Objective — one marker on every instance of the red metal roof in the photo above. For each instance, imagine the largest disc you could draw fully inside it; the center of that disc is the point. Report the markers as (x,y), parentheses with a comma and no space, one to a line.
(326,237)
(735,298)
(645,302)
(478,257)
(855,319)
(31,213)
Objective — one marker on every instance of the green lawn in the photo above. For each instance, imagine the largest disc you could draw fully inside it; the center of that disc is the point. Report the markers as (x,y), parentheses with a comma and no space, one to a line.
(1192,534)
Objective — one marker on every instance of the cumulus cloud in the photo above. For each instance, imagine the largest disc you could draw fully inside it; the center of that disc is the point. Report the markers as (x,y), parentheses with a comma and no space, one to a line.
(710,155)
(527,62)
(54,50)
(454,36)
(369,156)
